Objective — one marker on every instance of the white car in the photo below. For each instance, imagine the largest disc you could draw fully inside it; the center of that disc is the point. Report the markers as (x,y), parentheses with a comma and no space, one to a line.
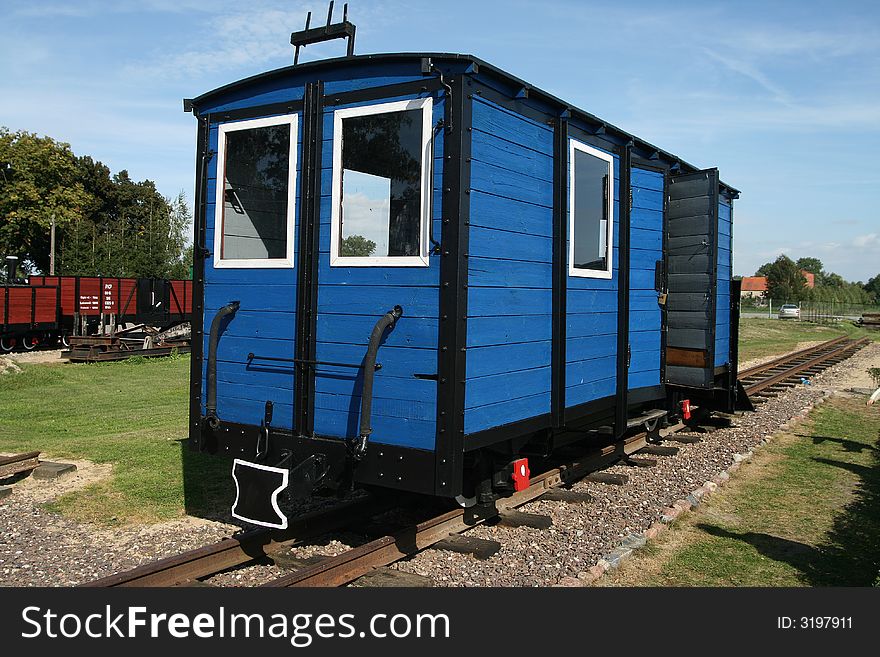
(789,311)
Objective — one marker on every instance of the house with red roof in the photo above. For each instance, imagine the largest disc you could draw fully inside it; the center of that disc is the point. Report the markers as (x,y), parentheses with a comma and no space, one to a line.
(755,287)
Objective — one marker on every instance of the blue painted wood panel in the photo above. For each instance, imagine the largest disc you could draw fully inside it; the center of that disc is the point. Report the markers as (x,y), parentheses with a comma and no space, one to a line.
(496,388)
(501,329)
(722,294)
(505,412)
(350,301)
(589,324)
(509,268)
(591,339)
(646,248)
(265,321)
(498,359)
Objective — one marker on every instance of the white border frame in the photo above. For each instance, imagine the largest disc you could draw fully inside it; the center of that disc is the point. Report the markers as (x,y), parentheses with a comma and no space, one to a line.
(606,273)
(420,260)
(285,478)
(219,202)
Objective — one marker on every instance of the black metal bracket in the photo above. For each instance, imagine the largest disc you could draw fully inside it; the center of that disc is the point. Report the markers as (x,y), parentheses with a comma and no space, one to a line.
(330,31)
(303,361)
(263,436)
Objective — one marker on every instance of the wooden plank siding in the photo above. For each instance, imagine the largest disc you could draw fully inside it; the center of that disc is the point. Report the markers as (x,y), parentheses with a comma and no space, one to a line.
(263,325)
(722,294)
(350,301)
(509,268)
(591,338)
(646,248)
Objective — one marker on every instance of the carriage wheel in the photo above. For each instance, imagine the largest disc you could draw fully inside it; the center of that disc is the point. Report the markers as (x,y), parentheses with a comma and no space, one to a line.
(30,341)
(65,340)
(8,343)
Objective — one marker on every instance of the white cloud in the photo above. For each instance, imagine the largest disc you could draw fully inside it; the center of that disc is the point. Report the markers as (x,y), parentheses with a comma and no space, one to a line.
(249,38)
(869,241)
(751,72)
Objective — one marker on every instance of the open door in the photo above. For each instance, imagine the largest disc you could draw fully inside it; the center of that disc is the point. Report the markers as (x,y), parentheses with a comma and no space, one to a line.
(692,251)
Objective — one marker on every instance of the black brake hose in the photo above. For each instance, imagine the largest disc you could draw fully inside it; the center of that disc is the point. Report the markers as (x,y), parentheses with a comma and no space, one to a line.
(211,382)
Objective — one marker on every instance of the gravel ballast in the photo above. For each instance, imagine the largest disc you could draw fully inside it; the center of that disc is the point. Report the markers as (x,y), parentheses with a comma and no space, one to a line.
(41,548)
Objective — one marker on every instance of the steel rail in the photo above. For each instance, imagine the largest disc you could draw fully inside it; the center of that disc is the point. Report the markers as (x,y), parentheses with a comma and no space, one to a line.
(785,360)
(823,360)
(193,565)
(234,551)
(354,563)
(339,570)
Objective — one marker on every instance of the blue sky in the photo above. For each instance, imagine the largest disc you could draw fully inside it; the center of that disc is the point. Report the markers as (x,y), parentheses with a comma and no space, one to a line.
(783,97)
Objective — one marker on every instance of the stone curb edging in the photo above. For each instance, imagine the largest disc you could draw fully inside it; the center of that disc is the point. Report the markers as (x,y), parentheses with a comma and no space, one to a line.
(668,514)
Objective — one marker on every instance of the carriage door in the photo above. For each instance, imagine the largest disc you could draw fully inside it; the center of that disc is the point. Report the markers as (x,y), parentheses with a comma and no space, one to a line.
(645,279)
(371,248)
(692,240)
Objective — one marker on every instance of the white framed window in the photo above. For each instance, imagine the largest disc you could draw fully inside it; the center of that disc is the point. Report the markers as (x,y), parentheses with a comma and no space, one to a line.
(381,200)
(256,193)
(590,211)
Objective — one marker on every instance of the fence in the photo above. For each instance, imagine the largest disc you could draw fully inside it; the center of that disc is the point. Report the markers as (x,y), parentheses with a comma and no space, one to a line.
(818,312)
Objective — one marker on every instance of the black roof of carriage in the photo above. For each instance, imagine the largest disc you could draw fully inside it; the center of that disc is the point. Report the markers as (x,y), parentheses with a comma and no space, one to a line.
(482,67)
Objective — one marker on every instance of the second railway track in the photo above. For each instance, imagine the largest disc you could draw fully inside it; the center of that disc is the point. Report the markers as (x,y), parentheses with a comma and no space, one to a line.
(770,378)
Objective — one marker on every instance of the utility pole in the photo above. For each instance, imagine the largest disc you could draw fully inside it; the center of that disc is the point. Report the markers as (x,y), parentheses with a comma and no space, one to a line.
(52,247)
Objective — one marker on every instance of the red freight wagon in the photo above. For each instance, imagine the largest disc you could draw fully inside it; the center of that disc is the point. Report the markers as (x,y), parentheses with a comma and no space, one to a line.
(27,314)
(55,307)
(94,296)
(180,302)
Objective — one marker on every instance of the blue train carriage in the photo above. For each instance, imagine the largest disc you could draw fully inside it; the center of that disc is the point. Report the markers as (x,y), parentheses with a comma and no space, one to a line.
(414,270)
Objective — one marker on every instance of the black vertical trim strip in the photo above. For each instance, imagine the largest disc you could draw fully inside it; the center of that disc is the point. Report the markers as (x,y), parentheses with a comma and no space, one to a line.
(664,309)
(714,186)
(58,314)
(735,298)
(198,293)
(560,272)
(620,411)
(307,262)
(451,356)
(733,366)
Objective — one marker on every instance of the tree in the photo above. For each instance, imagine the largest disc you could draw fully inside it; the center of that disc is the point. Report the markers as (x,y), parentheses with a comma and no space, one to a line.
(812,265)
(785,281)
(872,287)
(764,269)
(358,246)
(132,230)
(42,183)
(180,220)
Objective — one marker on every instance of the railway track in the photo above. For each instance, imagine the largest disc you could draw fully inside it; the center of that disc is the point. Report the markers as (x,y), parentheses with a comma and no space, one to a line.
(774,377)
(761,382)
(191,567)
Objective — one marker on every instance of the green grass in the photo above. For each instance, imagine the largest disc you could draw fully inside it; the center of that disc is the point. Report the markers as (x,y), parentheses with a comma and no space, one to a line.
(767,337)
(806,512)
(132,415)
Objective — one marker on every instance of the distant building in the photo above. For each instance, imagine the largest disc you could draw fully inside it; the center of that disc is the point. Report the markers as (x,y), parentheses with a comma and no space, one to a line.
(755,287)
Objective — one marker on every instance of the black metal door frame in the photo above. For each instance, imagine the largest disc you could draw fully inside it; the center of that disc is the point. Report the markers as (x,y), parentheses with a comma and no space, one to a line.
(307,262)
